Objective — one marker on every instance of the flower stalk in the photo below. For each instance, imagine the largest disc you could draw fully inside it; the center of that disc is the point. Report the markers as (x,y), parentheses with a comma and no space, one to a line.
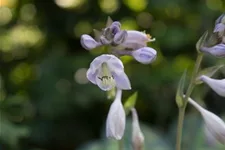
(188,94)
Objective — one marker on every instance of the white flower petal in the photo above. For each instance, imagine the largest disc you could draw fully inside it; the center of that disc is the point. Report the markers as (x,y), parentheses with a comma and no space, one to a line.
(213,123)
(116,119)
(121,79)
(91,76)
(96,63)
(217,85)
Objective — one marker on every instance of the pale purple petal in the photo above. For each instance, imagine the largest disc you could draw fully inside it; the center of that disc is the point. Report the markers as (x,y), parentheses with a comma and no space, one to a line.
(115,64)
(120,37)
(91,76)
(121,79)
(88,42)
(217,50)
(96,63)
(116,119)
(145,55)
(219,27)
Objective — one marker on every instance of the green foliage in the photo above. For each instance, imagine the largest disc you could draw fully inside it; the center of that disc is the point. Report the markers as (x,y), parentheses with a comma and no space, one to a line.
(130,102)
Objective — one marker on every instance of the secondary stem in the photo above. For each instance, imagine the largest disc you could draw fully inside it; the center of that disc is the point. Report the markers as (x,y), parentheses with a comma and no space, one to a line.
(188,94)
(120,144)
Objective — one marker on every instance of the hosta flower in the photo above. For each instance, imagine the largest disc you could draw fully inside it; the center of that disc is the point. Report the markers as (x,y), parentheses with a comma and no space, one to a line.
(217,50)
(217,85)
(136,40)
(107,71)
(220,25)
(137,135)
(214,125)
(115,123)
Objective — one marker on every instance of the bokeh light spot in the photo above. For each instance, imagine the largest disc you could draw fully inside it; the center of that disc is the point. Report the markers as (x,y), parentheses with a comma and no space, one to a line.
(159,28)
(136,5)
(69,3)
(21,73)
(109,6)
(8,3)
(5,15)
(80,76)
(214,4)
(173,10)
(144,19)
(28,12)
(63,86)
(82,27)
(129,24)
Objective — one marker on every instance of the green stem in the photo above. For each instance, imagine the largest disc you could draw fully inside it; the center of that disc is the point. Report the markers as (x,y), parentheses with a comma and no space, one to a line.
(188,94)
(120,144)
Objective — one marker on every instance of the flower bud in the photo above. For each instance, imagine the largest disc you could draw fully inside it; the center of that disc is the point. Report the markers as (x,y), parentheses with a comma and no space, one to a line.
(215,125)
(217,50)
(116,119)
(137,135)
(116,23)
(120,37)
(114,29)
(104,41)
(217,85)
(145,55)
(220,28)
(88,42)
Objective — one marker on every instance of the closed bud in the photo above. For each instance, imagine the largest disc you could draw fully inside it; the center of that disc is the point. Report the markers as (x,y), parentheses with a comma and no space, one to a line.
(144,55)
(137,135)
(104,41)
(120,37)
(88,42)
(116,23)
(215,126)
(220,29)
(115,124)
(217,85)
(217,50)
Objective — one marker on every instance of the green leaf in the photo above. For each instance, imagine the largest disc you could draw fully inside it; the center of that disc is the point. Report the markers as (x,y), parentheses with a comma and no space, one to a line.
(130,102)
(180,90)
(201,41)
(207,72)
(109,22)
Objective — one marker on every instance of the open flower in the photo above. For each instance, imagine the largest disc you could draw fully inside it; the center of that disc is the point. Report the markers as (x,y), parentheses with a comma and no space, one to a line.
(214,125)
(217,85)
(137,135)
(107,71)
(116,120)
(136,40)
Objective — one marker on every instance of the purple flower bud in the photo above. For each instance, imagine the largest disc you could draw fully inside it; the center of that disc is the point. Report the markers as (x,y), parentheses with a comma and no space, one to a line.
(104,41)
(220,29)
(145,55)
(217,50)
(116,23)
(88,42)
(120,37)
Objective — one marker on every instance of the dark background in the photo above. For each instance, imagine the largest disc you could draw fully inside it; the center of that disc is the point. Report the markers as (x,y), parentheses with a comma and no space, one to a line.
(46,102)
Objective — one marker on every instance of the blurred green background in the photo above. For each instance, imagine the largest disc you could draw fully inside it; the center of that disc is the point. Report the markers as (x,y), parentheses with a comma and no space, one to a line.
(46,102)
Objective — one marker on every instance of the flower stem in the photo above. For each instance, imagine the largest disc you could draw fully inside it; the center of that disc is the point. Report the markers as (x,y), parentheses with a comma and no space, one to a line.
(188,94)
(120,144)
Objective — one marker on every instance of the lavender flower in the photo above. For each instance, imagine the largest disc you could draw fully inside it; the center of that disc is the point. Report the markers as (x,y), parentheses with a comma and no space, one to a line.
(107,71)
(88,42)
(145,55)
(137,135)
(214,125)
(217,85)
(115,123)
(217,50)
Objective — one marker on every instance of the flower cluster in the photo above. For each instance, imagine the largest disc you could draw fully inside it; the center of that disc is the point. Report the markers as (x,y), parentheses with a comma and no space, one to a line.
(214,43)
(107,70)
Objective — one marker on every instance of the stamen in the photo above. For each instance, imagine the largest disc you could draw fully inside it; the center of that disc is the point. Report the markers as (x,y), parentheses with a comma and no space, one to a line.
(105,76)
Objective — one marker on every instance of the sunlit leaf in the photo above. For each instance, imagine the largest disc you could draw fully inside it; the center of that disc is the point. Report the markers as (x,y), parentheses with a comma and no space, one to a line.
(130,102)
(207,72)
